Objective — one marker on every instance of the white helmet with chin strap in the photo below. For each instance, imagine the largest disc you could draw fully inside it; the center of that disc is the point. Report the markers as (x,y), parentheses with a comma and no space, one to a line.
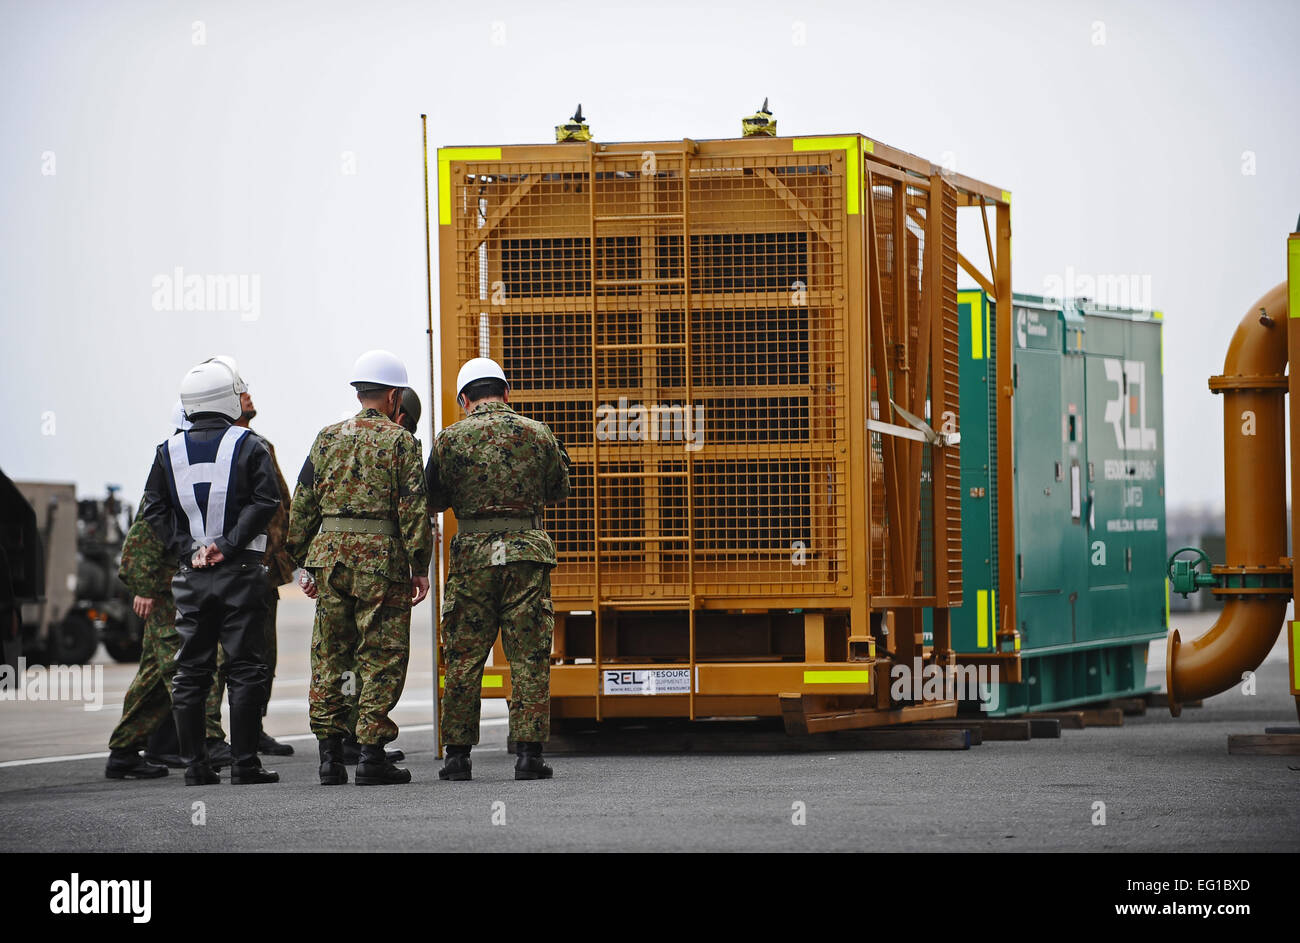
(210,388)
(480,368)
(240,385)
(378,370)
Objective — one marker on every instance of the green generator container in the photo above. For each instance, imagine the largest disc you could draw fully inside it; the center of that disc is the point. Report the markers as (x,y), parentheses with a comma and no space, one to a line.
(1089,498)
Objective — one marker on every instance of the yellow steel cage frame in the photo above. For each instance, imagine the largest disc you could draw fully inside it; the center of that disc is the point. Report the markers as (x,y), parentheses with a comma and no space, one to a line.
(763,300)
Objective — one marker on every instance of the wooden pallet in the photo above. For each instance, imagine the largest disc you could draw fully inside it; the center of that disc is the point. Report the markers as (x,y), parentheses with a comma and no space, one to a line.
(1085,717)
(1044,728)
(1130,706)
(809,713)
(1265,744)
(987,728)
(1068,720)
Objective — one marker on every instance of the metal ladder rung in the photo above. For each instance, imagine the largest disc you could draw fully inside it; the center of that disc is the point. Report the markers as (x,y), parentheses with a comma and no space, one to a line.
(648,540)
(633,282)
(639,217)
(641,474)
(677,346)
(666,603)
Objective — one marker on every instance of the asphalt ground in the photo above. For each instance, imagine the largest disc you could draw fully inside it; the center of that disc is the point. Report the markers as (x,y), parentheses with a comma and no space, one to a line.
(1167,786)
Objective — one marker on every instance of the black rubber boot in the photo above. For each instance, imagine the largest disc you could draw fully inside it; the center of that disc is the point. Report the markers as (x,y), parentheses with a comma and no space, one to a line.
(457,766)
(128,764)
(194,749)
(529,763)
(352,753)
(376,769)
(332,770)
(269,746)
(218,754)
(247,769)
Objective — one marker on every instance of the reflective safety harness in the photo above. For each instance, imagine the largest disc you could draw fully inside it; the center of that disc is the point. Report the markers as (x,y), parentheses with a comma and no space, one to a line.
(207,523)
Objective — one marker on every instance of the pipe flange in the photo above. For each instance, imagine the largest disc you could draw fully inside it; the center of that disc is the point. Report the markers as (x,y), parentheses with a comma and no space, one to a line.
(1270,381)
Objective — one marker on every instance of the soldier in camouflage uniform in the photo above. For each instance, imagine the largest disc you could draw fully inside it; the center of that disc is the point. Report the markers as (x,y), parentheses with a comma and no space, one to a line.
(147,571)
(360,525)
(496,470)
(408,417)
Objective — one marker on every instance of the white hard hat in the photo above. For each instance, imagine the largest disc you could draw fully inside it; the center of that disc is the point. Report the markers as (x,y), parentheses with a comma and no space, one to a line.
(378,370)
(240,385)
(210,388)
(178,418)
(480,368)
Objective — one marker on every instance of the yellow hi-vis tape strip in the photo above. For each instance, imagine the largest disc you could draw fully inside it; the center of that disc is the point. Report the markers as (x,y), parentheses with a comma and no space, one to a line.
(1295,657)
(852,159)
(976,301)
(445,156)
(837,677)
(1293,276)
(489,681)
(1166,602)
(982,619)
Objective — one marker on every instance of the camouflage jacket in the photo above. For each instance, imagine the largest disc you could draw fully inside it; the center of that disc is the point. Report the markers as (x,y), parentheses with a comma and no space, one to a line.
(495,462)
(146,569)
(369,467)
(277,560)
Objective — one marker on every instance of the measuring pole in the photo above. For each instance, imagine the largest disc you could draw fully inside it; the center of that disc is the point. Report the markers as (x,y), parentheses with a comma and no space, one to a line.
(435,566)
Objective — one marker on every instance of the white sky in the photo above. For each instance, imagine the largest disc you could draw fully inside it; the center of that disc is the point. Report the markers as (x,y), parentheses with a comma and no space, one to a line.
(1124,158)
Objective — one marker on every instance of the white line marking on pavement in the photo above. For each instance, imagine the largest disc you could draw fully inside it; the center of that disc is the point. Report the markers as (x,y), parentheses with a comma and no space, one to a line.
(413,728)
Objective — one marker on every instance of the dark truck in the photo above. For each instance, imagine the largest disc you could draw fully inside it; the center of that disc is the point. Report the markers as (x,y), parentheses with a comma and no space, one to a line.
(78,600)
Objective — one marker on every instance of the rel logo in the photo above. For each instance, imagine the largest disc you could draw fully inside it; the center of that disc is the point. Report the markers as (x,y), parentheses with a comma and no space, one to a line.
(1129,405)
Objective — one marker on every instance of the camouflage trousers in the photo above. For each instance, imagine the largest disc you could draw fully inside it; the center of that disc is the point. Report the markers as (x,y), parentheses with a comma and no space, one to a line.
(360,647)
(218,689)
(516,599)
(148,700)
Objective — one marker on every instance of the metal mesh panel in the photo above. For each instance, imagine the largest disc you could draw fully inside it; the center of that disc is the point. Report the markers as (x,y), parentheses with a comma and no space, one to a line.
(951,359)
(914,356)
(710,386)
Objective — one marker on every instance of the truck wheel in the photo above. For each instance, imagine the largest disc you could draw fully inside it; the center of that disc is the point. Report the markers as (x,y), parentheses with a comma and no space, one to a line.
(74,640)
(121,643)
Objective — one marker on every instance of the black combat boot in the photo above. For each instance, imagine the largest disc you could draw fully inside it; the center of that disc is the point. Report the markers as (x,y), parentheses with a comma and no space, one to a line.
(332,770)
(194,749)
(219,754)
(529,763)
(267,745)
(376,769)
(128,764)
(352,752)
(252,775)
(457,766)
